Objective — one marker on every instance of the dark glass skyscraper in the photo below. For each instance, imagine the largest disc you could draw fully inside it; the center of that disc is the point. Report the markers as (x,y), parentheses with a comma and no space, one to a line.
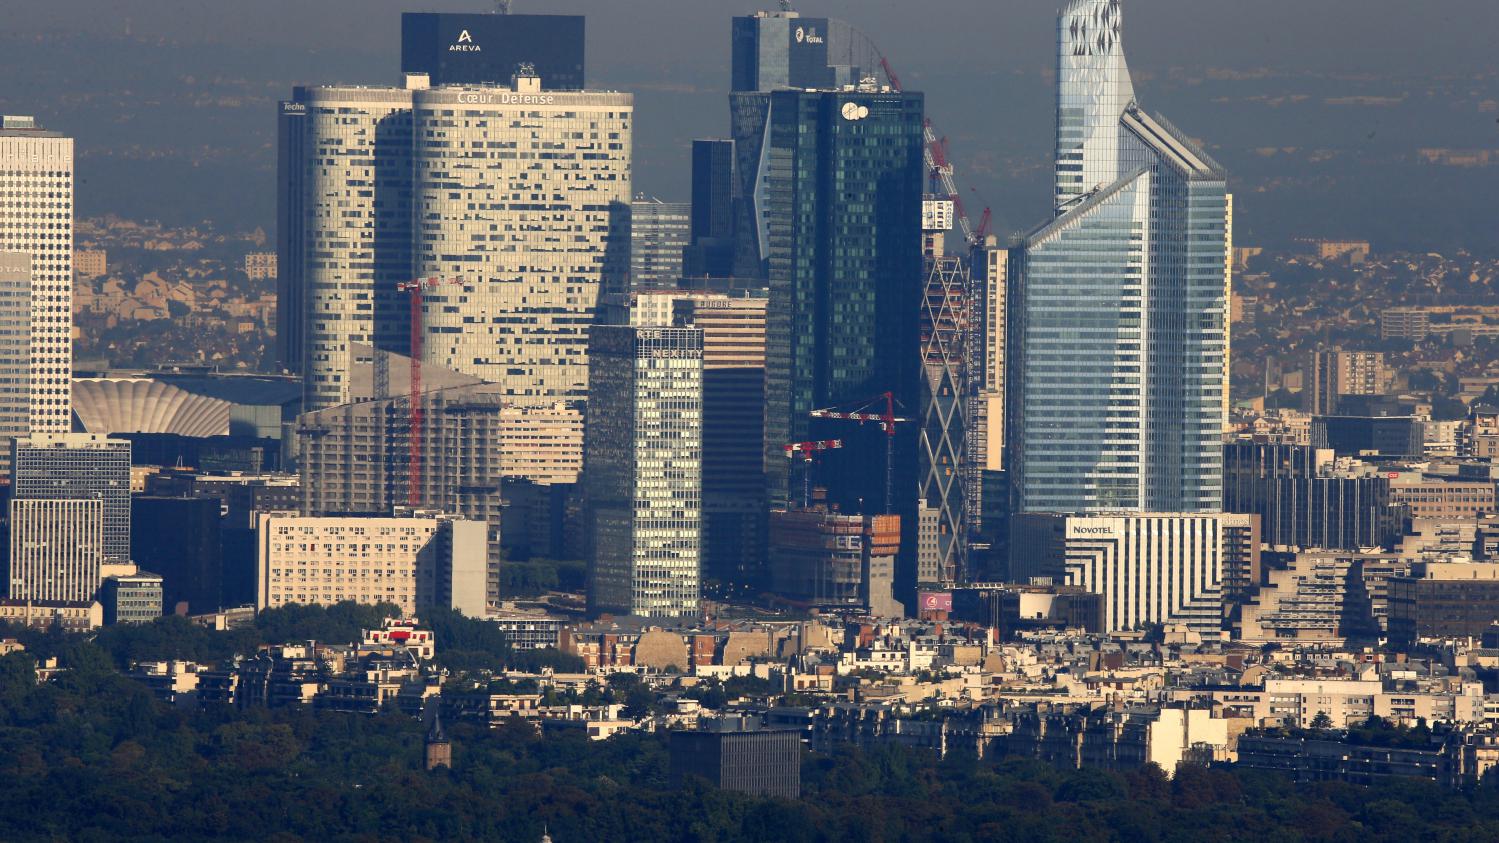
(774,51)
(710,251)
(843,215)
(1117,329)
(479,49)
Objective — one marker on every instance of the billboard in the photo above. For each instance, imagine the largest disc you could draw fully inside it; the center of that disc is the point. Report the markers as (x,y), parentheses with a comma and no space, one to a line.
(486,49)
(935,601)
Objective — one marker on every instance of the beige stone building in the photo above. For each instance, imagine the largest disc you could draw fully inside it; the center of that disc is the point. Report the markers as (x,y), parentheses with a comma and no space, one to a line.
(522,198)
(414,562)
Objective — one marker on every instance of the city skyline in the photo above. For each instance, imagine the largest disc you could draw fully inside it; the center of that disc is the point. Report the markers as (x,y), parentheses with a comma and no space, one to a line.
(1306,124)
(651,422)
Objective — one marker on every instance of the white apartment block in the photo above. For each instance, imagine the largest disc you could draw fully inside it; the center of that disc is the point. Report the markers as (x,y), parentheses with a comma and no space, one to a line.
(56,549)
(413,562)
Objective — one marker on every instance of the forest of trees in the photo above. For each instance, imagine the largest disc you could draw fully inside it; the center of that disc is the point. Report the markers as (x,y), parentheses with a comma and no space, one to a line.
(92,756)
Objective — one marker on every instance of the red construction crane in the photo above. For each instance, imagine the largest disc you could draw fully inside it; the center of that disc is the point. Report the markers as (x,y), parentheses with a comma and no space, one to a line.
(887,419)
(938,166)
(808,450)
(414,435)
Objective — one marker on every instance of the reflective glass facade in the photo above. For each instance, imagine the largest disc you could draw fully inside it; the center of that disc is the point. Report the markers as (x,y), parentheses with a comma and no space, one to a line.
(642,471)
(843,217)
(1118,337)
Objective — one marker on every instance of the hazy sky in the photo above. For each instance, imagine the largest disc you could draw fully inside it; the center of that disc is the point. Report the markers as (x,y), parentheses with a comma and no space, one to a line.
(1323,110)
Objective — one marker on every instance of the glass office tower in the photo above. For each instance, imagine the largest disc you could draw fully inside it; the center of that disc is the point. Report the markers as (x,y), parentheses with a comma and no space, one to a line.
(842,211)
(642,471)
(1117,330)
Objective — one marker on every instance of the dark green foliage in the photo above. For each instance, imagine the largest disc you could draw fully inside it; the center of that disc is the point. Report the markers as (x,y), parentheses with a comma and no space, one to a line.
(91,756)
(533,577)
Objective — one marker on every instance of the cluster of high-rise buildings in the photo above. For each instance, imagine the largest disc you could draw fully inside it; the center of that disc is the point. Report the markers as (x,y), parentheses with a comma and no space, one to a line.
(814,384)
(802,382)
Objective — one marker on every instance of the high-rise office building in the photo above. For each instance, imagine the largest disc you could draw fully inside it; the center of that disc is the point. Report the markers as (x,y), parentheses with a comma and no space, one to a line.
(56,549)
(523,198)
(985,431)
(1117,313)
(642,471)
(36,219)
(15,349)
(711,250)
(659,235)
(733,329)
(843,203)
(78,466)
(943,414)
(345,228)
(773,51)
(486,49)
(512,201)
(291,283)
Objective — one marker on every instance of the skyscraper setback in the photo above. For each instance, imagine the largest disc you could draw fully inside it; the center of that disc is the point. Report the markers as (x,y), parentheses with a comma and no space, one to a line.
(1117,330)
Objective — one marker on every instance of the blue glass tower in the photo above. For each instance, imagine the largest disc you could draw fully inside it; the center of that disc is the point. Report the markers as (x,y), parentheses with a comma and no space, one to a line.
(1117,335)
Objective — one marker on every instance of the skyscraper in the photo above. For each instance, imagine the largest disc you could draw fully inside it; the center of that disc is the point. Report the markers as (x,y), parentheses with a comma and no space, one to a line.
(659,234)
(943,413)
(1117,313)
(711,252)
(642,471)
(291,284)
(773,51)
(523,197)
(843,212)
(15,348)
(36,219)
(515,198)
(78,466)
(733,329)
(486,49)
(347,179)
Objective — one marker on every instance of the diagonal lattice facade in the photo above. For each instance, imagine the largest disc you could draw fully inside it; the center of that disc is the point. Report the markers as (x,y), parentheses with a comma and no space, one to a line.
(944,326)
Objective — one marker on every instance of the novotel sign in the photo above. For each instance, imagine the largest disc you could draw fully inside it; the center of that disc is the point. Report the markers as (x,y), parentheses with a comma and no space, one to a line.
(1087,530)
(506,99)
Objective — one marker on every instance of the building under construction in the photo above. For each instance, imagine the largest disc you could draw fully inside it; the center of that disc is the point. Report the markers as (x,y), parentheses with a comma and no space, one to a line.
(358,457)
(829,560)
(942,558)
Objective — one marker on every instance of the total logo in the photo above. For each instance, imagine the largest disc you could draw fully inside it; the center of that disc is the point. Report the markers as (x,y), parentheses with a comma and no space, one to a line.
(465,44)
(805,35)
(854,111)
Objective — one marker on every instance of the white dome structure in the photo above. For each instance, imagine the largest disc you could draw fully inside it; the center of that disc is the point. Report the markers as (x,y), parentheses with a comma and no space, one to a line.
(140,405)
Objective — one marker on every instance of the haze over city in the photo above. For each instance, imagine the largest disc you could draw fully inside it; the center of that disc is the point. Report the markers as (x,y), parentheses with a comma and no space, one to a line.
(687,421)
